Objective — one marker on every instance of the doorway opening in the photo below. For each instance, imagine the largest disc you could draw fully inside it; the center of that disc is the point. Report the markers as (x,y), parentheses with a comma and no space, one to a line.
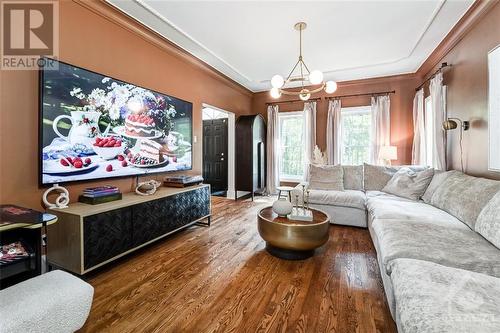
(218,150)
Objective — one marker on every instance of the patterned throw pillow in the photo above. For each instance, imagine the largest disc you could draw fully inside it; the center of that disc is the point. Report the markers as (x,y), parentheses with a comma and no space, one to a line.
(408,183)
(326,177)
(437,180)
(377,176)
(353,177)
(488,221)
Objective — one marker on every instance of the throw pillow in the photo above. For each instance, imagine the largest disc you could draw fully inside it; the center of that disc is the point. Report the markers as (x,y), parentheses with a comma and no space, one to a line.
(488,221)
(326,177)
(437,180)
(353,177)
(409,184)
(464,196)
(377,176)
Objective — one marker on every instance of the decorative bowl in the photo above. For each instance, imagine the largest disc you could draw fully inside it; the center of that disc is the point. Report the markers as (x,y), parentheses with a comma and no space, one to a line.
(108,153)
(282,207)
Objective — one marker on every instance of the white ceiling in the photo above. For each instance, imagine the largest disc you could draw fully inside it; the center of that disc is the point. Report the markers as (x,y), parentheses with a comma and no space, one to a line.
(250,41)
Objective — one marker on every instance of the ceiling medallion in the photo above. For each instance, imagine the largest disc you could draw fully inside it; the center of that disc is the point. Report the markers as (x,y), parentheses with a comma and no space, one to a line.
(314,77)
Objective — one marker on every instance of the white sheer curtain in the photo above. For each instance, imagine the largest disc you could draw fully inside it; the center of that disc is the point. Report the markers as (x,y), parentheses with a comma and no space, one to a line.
(381,126)
(419,152)
(439,111)
(309,134)
(273,150)
(333,131)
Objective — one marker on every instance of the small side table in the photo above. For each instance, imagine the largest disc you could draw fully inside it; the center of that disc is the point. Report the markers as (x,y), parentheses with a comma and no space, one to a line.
(27,226)
(288,192)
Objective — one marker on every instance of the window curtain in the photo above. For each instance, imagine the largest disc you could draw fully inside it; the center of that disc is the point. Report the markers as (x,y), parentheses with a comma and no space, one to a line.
(273,150)
(439,110)
(333,131)
(381,127)
(419,152)
(309,135)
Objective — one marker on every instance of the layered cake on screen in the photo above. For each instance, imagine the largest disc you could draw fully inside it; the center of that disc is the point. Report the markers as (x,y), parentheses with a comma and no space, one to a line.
(140,125)
(149,153)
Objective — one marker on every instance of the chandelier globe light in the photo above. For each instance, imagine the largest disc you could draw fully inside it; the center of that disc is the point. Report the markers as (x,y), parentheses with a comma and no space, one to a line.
(314,77)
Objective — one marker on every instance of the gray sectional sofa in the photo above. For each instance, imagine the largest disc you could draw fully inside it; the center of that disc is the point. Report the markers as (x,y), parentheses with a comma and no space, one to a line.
(439,256)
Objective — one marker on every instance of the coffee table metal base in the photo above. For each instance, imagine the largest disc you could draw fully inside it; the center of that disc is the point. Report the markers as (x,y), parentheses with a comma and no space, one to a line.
(288,254)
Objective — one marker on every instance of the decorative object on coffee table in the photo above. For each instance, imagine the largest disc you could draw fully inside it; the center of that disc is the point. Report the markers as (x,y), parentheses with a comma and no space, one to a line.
(292,239)
(301,212)
(282,207)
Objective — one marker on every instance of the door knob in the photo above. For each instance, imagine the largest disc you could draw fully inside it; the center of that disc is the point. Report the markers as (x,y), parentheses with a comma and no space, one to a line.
(222,158)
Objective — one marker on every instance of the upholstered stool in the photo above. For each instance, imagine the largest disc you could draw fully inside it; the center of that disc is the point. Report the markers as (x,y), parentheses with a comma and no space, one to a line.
(53,302)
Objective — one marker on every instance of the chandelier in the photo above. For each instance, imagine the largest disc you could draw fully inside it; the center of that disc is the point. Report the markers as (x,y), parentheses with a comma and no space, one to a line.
(314,77)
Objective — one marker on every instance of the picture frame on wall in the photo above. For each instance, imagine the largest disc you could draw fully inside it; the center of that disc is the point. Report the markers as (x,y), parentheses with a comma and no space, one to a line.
(494,109)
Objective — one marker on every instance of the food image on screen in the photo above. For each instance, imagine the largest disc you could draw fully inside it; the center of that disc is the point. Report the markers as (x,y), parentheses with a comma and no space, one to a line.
(93,126)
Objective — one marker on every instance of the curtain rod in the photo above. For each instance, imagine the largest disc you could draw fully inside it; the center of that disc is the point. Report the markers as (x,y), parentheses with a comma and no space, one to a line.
(365,94)
(443,66)
(294,101)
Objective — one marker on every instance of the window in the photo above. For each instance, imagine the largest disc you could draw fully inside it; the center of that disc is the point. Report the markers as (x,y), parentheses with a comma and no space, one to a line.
(429,131)
(292,146)
(355,135)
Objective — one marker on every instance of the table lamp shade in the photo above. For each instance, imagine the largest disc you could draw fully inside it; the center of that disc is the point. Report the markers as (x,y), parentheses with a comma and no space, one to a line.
(389,153)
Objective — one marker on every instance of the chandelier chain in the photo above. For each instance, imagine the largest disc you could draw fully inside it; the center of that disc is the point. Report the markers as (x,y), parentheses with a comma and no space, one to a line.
(315,77)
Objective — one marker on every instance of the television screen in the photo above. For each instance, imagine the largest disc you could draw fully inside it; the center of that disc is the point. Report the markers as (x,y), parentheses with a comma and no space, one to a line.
(94,126)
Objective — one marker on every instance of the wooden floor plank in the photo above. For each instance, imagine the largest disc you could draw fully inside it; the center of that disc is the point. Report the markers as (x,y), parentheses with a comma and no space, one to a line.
(221,279)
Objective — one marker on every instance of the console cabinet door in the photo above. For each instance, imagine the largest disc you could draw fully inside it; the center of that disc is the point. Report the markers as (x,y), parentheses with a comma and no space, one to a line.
(106,235)
(190,206)
(149,220)
(155,218)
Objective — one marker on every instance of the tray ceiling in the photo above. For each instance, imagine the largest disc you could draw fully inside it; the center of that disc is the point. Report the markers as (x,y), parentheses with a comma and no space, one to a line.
(250,41)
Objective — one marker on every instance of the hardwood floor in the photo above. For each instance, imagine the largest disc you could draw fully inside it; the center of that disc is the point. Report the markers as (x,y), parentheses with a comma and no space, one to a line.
(221,279)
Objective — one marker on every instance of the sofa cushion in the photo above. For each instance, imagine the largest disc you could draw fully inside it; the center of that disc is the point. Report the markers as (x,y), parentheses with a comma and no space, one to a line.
(326,177)
(437,180)
(453,247)
(376,177)
(353,177)
(434,298)
(408,183)
(464,196)
(347,198)
(381,205)
(488,222)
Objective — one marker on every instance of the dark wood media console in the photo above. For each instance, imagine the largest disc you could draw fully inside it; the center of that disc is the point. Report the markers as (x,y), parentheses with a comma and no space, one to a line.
(89,236)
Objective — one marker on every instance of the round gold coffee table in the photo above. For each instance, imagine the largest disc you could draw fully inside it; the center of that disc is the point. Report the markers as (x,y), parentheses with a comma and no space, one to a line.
(292,239)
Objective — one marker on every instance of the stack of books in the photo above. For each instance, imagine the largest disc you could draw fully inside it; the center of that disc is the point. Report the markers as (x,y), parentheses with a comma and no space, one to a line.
(182,181)
(100,194)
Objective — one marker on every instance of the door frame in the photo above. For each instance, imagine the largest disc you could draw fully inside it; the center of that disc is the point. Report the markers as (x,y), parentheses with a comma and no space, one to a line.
(231,144)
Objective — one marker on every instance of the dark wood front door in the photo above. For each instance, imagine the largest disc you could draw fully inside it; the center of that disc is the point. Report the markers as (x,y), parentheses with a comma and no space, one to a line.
(215,153)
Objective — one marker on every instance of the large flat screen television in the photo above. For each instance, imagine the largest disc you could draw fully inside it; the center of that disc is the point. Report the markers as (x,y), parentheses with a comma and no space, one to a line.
(93,126)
